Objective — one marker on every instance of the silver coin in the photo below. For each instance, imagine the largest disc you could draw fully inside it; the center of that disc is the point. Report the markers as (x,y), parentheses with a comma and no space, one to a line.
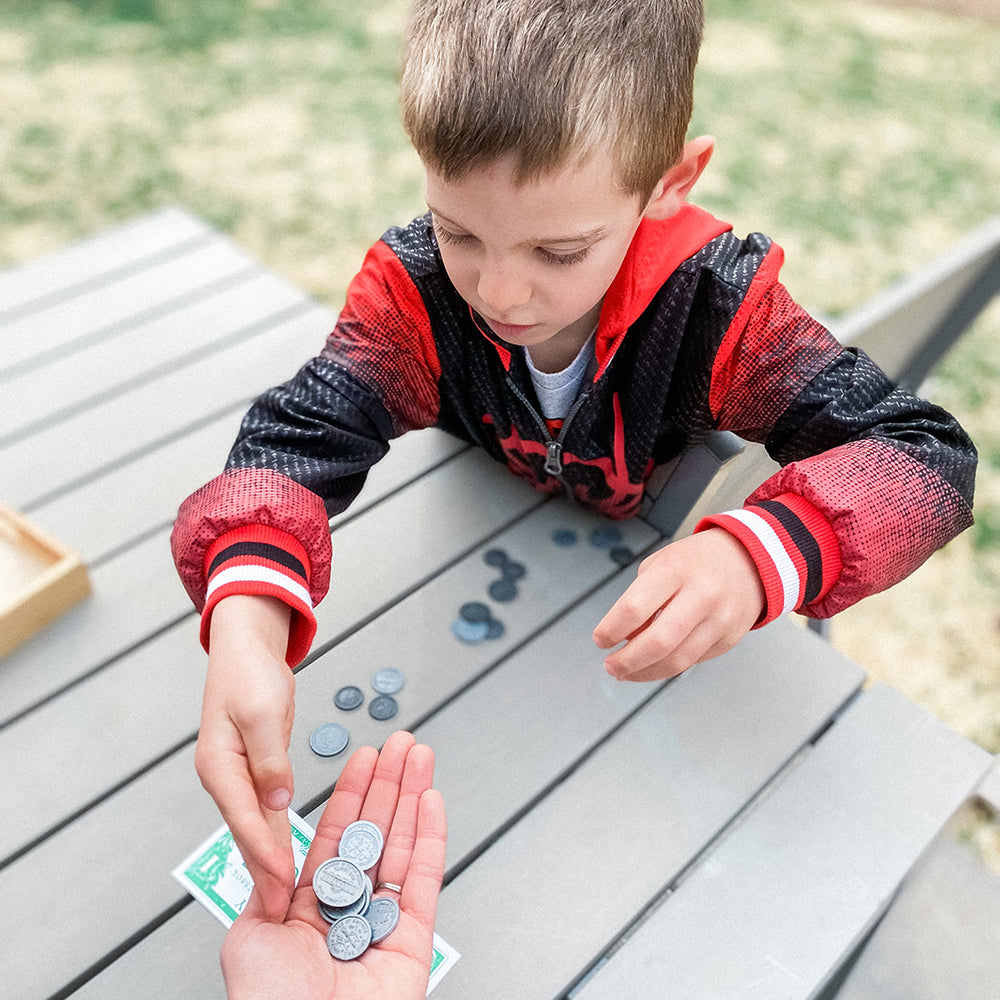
(356,909)
(362,843)
(348,698)
(349,938)
(388,680)
(383,707)
(383,915)
(338,882)
(328,739)
(469,632)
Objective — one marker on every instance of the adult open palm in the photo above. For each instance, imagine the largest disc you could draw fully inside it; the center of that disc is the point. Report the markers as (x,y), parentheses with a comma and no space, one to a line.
(288,959)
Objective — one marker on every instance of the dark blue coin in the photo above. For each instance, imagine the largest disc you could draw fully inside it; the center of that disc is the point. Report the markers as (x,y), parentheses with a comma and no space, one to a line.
(495,629)
(622,555)
(383,707)
(513,571)
(605,538)
(349,698)
(474,611)
(496,557)
(564,537)
(503,590)
(469,632)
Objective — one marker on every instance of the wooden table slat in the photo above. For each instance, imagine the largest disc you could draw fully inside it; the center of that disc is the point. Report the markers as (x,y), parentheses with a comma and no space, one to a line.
(140,352)
(59,331)
(61,274)
(87,444)
(787,896)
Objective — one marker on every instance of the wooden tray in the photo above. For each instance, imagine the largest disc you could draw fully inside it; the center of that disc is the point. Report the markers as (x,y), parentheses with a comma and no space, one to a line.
(39,579)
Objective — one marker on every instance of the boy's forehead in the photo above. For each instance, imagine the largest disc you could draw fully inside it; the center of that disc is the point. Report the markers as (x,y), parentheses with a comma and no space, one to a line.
(583,195)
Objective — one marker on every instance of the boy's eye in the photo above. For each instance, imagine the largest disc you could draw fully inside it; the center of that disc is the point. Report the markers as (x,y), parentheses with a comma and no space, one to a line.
(564,258)
(446,236)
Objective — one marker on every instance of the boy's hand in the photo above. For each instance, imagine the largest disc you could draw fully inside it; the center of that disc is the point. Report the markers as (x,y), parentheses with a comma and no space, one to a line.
(246,725)
(691,600)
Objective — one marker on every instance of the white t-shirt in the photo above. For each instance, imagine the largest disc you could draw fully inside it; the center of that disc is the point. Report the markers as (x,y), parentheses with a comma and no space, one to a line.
(556,391)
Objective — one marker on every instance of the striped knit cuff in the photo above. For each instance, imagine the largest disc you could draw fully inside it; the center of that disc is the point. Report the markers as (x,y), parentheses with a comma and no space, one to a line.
(267,562)
(793,546)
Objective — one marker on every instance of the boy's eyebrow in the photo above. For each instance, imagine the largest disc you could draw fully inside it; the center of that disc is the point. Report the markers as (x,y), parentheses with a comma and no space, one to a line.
(584,237)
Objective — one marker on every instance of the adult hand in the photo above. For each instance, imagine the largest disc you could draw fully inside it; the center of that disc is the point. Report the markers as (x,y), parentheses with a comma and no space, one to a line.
(691,600)
(265,959)
(246,726)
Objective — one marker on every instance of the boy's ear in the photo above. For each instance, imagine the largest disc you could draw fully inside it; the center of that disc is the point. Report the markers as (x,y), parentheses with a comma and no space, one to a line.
(675,185)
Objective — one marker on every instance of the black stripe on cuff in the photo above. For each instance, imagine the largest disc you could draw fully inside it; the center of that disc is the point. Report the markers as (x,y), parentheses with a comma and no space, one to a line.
(804,541)
(260,550)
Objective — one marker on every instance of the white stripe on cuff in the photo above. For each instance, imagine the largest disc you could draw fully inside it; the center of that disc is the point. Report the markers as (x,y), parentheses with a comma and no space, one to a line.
(768,537)
(261,574)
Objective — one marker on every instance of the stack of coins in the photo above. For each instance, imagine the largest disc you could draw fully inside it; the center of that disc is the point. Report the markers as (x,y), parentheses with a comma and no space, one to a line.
(344,894)
(504,589)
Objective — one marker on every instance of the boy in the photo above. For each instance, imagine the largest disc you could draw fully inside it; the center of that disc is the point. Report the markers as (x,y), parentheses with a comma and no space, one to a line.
(565,308)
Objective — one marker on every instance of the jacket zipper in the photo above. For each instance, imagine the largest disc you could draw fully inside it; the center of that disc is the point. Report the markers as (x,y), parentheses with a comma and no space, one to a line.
(553,446)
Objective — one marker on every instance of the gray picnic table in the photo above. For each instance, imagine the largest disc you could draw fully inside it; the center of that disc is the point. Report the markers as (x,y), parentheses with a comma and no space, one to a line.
(736,832)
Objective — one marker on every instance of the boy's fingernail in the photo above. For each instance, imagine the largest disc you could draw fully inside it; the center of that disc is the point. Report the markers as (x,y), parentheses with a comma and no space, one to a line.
(280,798)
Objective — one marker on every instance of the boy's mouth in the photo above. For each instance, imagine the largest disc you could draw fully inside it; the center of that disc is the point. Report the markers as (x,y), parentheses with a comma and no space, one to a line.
(508,330)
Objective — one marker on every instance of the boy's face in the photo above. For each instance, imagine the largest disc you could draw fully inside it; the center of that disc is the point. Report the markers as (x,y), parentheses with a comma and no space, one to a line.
(535,260)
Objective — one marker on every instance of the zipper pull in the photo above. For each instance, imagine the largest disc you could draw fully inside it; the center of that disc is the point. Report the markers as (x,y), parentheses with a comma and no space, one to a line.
(553,460)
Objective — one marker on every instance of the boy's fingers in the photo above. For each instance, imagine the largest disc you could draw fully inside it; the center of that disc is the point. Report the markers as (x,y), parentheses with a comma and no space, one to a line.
(658,642)
(654,586)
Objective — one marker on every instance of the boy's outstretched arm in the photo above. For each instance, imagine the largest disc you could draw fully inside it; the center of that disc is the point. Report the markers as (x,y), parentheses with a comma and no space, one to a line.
(242,751)
(690,601)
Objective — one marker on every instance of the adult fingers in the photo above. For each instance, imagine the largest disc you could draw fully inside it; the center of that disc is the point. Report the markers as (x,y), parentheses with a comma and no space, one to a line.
(418,776)
(422,881)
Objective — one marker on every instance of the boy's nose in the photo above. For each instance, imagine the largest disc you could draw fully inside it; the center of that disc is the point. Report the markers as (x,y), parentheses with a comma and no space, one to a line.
(502,290)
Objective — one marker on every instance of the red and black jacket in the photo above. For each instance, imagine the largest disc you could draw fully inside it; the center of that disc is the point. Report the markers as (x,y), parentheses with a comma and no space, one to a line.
(696,333)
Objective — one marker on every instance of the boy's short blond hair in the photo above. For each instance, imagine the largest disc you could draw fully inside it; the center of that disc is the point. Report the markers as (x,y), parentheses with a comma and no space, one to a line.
(549,81)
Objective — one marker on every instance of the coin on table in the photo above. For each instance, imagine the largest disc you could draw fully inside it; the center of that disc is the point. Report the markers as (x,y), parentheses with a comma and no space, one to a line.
(469,632)
(605,538)
(362,843)
(622,555)
(348,938)
(383,915)
(388,680)
(328,739)
(513,571)
(383,707)
(348,698)
(474,612)
(503,590)
(495,629)
(338,882)
(496,557)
